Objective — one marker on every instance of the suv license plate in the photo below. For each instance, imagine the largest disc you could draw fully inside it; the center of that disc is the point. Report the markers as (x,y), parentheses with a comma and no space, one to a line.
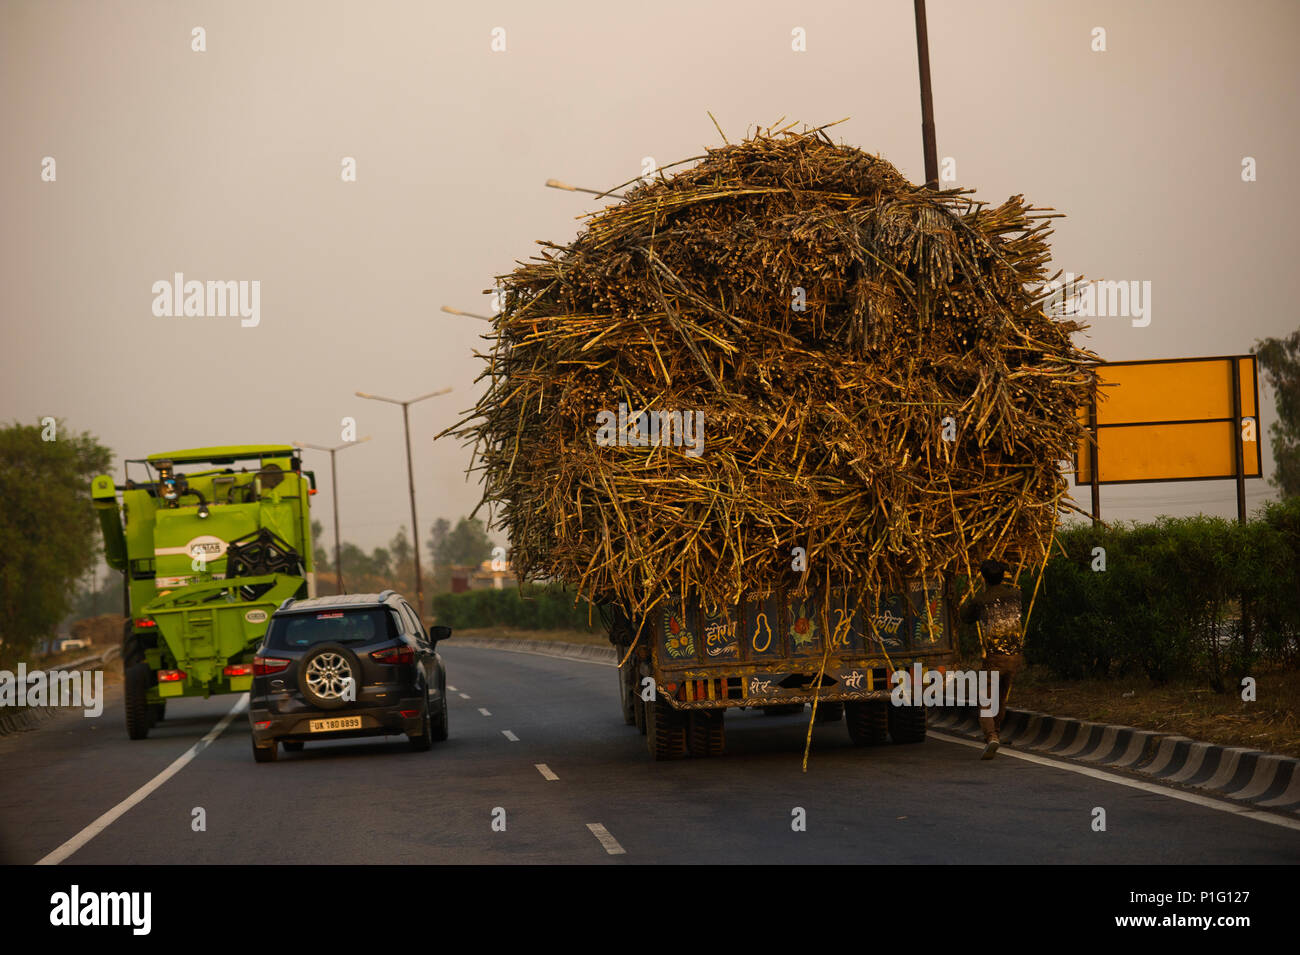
(340,723)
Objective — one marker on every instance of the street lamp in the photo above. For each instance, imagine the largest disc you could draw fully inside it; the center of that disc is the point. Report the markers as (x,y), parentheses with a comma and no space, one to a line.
(410,480)
(334,492)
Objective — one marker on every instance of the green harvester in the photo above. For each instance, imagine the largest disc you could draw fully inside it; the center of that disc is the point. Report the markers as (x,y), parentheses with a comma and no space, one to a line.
(209,545)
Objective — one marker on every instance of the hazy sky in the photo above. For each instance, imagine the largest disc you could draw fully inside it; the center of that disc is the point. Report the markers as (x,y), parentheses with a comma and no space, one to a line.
(226,165)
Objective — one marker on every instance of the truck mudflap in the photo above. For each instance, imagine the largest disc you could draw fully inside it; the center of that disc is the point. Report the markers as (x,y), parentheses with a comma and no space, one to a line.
(206,625)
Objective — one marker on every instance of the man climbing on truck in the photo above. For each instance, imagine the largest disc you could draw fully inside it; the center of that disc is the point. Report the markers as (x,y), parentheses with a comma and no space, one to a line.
(997,608)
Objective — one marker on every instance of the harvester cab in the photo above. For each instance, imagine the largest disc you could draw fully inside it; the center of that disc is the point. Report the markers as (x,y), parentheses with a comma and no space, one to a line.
(207,554)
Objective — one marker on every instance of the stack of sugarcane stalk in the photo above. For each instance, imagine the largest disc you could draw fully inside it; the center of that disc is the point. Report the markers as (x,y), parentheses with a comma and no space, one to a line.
(879,380)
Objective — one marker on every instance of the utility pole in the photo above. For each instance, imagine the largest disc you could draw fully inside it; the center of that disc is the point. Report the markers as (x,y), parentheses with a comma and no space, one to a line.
(927,99)
(334,493)
(410,481)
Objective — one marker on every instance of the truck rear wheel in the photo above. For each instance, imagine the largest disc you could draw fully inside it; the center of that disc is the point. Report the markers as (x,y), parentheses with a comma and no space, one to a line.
(708,733)
(627,687)
(868,722)
(135,698)
(907,724)
(640,707)
(784,709)
(665,731)
(830,712)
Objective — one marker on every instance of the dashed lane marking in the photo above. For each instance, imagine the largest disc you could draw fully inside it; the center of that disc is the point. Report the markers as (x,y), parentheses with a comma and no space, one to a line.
(510,736)
(546,772)
(139,796)
(609,842)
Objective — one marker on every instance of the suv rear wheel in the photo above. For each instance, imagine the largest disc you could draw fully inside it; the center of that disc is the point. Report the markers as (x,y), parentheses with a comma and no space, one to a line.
(424,739)
(267,753)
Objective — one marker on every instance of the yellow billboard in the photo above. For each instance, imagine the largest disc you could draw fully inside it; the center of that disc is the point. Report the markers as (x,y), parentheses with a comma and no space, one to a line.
(1178,419)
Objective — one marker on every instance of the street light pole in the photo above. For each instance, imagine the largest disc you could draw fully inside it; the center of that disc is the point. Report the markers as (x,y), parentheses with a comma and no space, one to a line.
(927,99)
(410,479)
(334,493)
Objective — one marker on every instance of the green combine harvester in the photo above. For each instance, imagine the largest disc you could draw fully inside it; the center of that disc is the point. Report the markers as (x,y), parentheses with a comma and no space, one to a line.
(206,555)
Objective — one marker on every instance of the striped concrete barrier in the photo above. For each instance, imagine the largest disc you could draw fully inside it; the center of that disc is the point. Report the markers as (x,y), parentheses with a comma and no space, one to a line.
(1243,775)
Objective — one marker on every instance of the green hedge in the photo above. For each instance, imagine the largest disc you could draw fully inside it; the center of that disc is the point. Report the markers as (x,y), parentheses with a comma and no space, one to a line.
(549,607)
(1197,597)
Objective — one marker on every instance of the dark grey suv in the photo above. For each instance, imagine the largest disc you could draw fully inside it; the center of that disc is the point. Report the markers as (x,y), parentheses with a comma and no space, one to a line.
(353,665)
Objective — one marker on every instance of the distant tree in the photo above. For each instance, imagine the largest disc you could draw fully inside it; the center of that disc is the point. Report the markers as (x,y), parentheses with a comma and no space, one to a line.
(49,535)
(320,555)
(467,545)
(1280,359)
(438,540)
(403,558)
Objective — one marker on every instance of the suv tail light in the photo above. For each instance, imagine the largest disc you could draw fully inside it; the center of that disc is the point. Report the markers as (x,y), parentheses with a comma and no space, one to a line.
(264,665)
(239,669)
(170,676)
(394,655)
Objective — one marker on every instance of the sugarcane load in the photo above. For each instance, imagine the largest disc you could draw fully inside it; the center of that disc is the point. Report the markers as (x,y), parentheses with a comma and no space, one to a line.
(784,370)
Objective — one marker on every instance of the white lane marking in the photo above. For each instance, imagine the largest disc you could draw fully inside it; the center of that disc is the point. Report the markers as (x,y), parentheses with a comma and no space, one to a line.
(484,712)
(546,772)
(464,696)
(609,842)
(453,689)
(510,736)
(137,797)
(1206,801)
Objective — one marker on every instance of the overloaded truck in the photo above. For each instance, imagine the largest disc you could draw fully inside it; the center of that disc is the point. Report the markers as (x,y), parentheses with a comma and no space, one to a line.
(210,542)
(688,666)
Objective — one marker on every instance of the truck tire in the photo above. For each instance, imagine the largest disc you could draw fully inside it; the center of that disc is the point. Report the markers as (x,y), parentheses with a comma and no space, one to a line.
(136,687)
(708,733)
(627,687)
(907,724)
(320,670)
(665,731)
(639,711)
(267,753)
(868,721)
(785,709)
(830,712)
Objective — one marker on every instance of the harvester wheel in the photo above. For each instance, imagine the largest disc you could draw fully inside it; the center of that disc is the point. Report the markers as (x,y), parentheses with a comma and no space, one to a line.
(830,712)
(157,712)
(268,753)
(907,724)
(665,730)
(136,687)
(708,732)
(868,721)
(293,745)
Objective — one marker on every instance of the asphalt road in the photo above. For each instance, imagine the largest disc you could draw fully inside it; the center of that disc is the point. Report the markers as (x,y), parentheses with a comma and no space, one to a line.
(375,801)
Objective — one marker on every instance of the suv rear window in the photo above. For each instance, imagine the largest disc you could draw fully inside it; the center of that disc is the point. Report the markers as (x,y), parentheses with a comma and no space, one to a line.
(297,631)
